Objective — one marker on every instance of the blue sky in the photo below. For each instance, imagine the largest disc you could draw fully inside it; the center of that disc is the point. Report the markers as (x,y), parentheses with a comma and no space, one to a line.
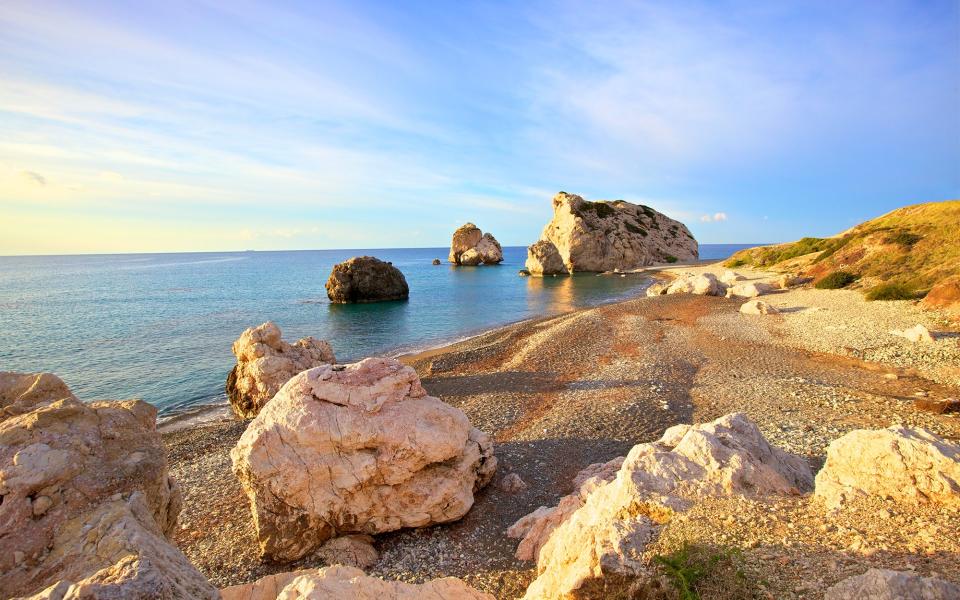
(221,126)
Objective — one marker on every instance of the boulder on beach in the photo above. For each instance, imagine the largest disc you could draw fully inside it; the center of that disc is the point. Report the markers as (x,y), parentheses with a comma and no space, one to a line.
(543,258)
(908,466)
(357,448)
(265,362)
(366,279)
(758,307)
(471,247)
(884,584)
(86,498)
(916,334)
(348,583)
(749,290)
(604,538)
(351,550)
(730,277)
(604,236)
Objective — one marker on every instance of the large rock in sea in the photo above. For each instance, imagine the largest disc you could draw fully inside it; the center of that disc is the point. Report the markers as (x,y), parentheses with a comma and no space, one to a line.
(909,466)
(543,258)
(86,498)
(366,279)
(471,247)
(884,584)
(604,236)
(600,544)
(348,583)
(265,362)
(358,448)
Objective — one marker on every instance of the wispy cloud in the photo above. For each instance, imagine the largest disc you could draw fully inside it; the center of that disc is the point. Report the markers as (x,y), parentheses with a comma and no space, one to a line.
(714,218)
(34,177)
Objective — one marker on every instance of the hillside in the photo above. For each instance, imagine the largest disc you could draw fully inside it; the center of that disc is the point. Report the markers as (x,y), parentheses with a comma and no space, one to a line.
(914,249)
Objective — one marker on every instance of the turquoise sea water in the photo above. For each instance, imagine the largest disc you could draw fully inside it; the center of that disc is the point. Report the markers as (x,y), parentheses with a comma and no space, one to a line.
(160,326)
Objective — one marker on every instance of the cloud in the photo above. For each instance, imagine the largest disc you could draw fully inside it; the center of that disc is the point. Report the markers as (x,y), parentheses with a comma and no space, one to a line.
(34,177)
(714,218)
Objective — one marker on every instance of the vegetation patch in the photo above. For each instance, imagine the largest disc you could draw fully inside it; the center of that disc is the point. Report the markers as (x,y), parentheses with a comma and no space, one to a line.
(635,229)
(601,209)
(670,258)
(648,211)
(903,238)
(891,291)
(702,572)
(836,280)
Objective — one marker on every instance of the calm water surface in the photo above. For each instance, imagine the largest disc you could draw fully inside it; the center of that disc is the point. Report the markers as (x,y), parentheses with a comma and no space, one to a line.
(160,326)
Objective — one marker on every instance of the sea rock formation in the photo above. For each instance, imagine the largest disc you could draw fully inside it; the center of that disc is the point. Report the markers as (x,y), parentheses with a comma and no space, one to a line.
(366,279)
(348,583)
(758,307)
(265,362)
(601,542)
(884,584)
(86,497)
(603,236)
(471,247)
(435,262)
(909,466)
(543,258)
(357,448)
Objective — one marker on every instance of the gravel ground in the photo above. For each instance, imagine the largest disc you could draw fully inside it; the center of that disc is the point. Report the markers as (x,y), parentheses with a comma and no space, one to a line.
(584,387)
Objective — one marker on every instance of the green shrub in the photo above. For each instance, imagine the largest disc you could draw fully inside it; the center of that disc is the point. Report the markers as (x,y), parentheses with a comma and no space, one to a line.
(836,280)
(733,263)
(891,291)
(631,227)
(670,258)
(601,209)
(903,238)
(696,571)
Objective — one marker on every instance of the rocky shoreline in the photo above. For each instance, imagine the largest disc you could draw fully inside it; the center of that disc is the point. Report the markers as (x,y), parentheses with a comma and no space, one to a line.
(564,392)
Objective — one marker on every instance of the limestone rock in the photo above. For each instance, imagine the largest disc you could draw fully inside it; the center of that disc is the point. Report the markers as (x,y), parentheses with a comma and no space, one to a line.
(115,550)
(707,284)
(730,278)
(436,262)
(358,448)
(347,583)
(366,279)
(787,281)
(535,528)
(758,307)
(350,550)
(265,362)
(658,288)
(909,466)
(603,540)
(916,334)
(883,584)
(471,247)
(60,461)
(22,392)
(750,290)
(464,238)
(543,258)
(603,236)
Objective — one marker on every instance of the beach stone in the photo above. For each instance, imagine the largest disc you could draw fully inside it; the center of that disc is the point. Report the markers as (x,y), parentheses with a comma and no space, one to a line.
(366,279)
(603,236)
(350,550)
(658,288)
(758,307)
(543,258)
(602,542)
(265,362)
(512,484)
(357,448)
(116,550)
(59,462)
(937,406)
(750,290)
(917,334)
(730,278)
(465,238)
(348,583)
(908,466)
(707,284)
(787,281)
(884,584)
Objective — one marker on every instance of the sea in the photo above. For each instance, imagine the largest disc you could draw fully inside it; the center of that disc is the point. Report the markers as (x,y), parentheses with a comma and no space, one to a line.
(159,327)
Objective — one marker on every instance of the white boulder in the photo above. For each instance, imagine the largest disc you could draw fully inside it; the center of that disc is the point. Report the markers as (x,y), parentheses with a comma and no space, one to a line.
(758,307)
(884,584)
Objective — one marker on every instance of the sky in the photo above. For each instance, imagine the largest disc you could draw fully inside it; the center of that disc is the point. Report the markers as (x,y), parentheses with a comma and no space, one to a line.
(213,126)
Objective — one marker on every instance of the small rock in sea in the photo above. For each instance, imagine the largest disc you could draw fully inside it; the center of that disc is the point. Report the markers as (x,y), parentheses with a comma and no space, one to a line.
(366,279)
(436,262)
(512,483)
(523,273)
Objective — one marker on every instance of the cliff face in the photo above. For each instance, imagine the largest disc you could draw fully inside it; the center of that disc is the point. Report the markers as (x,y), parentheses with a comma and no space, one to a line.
(603,236)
